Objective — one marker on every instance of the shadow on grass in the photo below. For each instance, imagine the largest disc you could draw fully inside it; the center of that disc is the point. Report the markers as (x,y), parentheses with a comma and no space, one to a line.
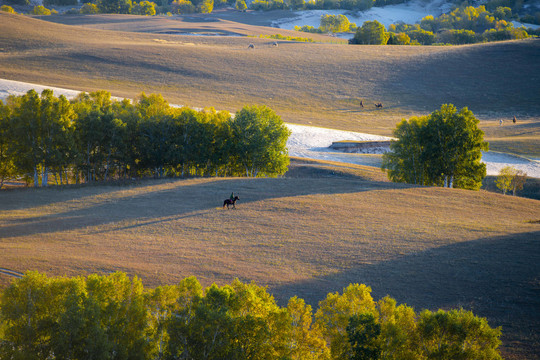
(164,201)
(497,278)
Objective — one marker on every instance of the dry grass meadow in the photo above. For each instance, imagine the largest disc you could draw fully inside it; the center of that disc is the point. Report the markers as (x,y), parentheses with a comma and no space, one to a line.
(322,225)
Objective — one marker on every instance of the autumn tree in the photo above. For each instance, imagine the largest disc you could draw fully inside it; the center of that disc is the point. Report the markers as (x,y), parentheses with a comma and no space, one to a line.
(510,178)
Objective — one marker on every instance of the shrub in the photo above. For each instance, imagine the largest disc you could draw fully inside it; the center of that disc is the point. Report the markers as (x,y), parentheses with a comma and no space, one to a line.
(41,10)
(8,9)
(89,8)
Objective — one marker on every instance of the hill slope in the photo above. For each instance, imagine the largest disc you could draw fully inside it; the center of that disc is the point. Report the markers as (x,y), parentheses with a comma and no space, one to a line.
(310,233)
(320,84)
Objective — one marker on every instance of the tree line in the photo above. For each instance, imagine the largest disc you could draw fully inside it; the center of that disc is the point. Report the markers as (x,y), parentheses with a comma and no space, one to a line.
(115,317)
(464,25)
(95,137)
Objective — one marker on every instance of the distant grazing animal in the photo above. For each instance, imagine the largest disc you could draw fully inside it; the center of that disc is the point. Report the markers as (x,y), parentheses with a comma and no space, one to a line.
(379,105)
(274,43)
(361,104)
(251,46)
(230,202)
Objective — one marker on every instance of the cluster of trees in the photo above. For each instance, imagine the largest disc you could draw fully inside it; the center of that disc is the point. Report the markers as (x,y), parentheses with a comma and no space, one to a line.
(323,4)
(511,179)
(114,317)
(466,25)
(330,23)
(440,149)
(94,137)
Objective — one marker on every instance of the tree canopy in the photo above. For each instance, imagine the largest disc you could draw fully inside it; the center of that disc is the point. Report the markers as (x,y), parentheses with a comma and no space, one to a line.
(115,317)
(94,137)
(370,33)
(441,149)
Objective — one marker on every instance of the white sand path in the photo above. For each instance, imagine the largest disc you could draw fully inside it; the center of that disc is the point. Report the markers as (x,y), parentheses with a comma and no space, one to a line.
(313,142)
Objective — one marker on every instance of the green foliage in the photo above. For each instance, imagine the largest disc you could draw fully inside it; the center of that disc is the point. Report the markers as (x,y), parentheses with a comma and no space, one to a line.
(96,138)
(42,10)
(363,332)
(335,23)
(144,8)
(7,166)
(309,29)
(89,8)
(114,317)
(442,149)
(398,39)
(288,38)
(114,6)
(241,5)
(457,334)
(371,33)
(464,25)
(267,5)
(8,9)
(182,7)
(259,139)
(510,178)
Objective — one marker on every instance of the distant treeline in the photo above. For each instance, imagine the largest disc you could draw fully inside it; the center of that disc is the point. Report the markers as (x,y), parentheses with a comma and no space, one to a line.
(94,137)
(466,25)
(114,317)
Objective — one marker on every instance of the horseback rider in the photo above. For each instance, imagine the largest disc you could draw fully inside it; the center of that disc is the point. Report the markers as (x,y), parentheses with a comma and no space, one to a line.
(232,196)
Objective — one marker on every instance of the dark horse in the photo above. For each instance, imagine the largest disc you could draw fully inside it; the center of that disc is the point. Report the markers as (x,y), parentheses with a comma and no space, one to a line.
(379,105)
(230,202)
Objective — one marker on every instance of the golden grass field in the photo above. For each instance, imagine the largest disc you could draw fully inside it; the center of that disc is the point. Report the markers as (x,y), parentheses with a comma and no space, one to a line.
(321,226)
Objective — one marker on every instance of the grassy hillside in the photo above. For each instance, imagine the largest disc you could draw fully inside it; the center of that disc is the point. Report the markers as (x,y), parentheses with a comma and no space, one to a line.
(318,84)
(314,231)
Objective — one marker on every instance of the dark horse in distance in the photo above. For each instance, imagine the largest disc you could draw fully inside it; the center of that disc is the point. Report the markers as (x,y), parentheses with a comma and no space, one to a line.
(230,202)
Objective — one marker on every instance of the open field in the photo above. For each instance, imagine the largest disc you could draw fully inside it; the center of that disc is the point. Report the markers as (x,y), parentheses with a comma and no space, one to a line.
(314,231)
(319,84)
(323,225)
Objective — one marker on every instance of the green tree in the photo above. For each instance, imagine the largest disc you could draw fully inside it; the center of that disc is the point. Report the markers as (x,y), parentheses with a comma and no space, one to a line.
(8,9)
(41,10)
(334,313)
(504,180)
(442,149)
(183,7)
(115,6)
(144,8)
(363,332)
(7,167)
(511,178)
(241,5)
(457,334)
(305,340)
(89,8)
(260,137)
(404,161)
(398,338)
(41,128)
(370,33)
(334,23)
(398,39)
